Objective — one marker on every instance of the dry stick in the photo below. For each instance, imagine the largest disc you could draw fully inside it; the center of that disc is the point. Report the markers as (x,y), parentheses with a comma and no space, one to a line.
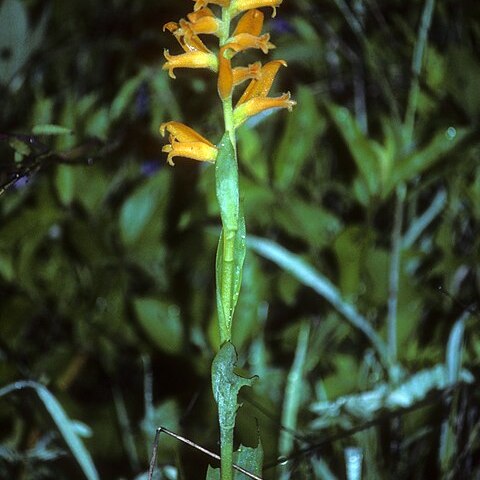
(153,461)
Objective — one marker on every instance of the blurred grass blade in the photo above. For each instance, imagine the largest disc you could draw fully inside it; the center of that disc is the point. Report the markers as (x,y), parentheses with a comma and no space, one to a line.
(453,365)
(66,429)
(307,275)
(353,463)
(454,350)
(64,424)
(294,391)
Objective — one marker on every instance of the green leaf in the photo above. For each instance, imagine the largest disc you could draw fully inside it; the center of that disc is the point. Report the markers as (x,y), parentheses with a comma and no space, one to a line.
(226,384)
(250,459)
(226,178)
(248,314)
(51,129)
(213,473)
(294,389)
(297,145)
(125,96)
(19,146)
(161,322)
(226,307)
(307,221)
(65,184)
(307,275)
(365,152)
(139,208)
(251,151)
(417,162)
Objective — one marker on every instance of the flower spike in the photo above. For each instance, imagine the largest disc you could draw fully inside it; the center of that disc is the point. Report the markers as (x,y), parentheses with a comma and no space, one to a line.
(186,142)
(246,35)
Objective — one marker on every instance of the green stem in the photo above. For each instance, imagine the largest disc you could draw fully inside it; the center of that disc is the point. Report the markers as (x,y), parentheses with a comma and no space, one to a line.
(228,272)
(226,453)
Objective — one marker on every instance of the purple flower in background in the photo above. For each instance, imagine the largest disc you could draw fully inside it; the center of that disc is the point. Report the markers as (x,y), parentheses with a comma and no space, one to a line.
(142,100)
(150,167)
(281,26)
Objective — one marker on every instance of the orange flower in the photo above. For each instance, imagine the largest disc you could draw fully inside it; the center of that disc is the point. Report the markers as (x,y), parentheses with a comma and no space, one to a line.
(186,142)
(192,59)
(225,74)
(204,21)
(254,100)
(186,37)
(251,22)
(260,86)
(247,34)
(237,6)
(241,74)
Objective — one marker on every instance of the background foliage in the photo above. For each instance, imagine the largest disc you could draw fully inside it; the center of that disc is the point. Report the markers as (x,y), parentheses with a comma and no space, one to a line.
(369,195)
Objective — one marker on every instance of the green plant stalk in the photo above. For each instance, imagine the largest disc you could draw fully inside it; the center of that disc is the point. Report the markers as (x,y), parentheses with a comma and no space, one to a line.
(227,268)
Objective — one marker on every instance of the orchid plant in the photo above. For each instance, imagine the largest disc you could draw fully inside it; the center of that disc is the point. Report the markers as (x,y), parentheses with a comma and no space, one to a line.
(185,142)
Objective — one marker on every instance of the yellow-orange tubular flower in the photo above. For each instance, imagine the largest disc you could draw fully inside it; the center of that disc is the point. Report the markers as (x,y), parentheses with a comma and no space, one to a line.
(237,6)
(241,74)
(186,142)
(247,34)
(189,60)
(225,74)
(204,21)
(254,100)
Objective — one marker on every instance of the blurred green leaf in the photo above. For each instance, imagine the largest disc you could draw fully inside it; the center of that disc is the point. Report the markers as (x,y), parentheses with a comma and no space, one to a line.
(307,221)
(306,274)
(161,323)
(125,97)
(297,145)
(51,129)
(139,208)
(442,144)
(65,184)
(366,152)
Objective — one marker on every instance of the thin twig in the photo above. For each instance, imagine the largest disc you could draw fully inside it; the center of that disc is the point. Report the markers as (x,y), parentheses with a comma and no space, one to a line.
(153,460)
